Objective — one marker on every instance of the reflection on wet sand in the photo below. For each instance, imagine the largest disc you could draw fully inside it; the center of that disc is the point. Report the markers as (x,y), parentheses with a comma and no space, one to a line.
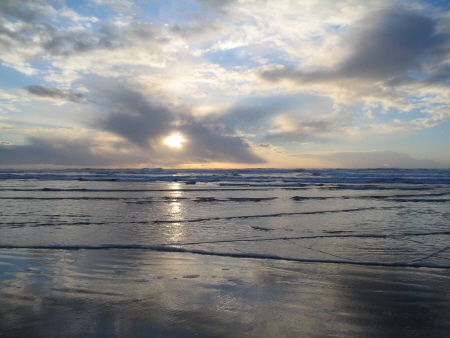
(401,302)
(145,293)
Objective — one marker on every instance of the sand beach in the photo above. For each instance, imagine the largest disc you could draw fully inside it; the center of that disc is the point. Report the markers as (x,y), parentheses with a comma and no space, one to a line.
(135,293)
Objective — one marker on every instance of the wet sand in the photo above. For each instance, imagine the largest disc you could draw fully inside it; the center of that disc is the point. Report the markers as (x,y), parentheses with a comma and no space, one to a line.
(136,293)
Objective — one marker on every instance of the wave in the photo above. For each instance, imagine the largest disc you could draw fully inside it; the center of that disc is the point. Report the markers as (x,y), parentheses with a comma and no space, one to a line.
(375,187)
(281,214)
(132,190)
(331,234)
(412,264)
(422,200)
(234,199)
(349,178)
(167,199)
(189,220)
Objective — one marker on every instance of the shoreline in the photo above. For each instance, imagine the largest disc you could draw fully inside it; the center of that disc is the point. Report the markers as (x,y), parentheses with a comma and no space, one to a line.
(174,249)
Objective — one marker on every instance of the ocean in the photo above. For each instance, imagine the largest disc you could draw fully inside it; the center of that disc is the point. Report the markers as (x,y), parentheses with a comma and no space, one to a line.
(256,252)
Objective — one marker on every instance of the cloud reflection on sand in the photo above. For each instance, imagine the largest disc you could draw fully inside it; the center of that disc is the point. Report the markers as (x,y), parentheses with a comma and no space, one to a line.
(132,293)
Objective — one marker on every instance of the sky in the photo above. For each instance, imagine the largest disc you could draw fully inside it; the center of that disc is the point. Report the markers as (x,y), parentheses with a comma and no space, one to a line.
(225,83)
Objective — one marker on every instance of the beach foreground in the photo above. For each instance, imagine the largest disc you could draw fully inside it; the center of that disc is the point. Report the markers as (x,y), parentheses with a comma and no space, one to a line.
(130,292)
(228,253)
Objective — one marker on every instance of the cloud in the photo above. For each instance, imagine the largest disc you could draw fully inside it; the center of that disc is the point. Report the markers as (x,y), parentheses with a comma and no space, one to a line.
(216,3)
(67,152)
(74,45)
(75,147)
(372,159)
(202,146)
(394,58)
(207,144)
(130,130)
(381,50)
(268,148)
(131,115)
(145,124)
(292,130)
(381,45)
(119,5)
(27,27)
(232,76)
(389,43)
(24,10)
(49,93)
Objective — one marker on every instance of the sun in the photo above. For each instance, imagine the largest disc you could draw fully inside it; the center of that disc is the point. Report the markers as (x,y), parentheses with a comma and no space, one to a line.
(175,141)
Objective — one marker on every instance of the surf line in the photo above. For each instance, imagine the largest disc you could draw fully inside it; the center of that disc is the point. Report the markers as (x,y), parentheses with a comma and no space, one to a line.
(262,239)
(262,216)
(225,254)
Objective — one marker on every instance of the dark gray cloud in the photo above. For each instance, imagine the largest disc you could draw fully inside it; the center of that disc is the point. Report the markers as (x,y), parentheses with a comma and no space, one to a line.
(383,46)
(216,4)
(56,94)
(390,42)
(142,125)
(251,116)
(206,144)
(42,151)
(375,159)
(21,9)
(132,116)
(107,37)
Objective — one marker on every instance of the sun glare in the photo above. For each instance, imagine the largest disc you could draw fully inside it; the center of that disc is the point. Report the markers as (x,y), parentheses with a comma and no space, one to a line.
(175,141)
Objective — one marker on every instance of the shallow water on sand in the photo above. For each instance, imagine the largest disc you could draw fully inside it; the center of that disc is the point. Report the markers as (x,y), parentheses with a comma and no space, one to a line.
(283,252)
(116,292)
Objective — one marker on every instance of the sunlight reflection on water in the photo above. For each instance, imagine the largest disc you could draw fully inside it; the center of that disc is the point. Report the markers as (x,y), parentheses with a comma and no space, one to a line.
(175,210)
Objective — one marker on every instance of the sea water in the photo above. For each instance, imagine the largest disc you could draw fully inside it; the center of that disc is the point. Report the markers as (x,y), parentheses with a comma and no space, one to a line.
(288,226)
(384,215)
